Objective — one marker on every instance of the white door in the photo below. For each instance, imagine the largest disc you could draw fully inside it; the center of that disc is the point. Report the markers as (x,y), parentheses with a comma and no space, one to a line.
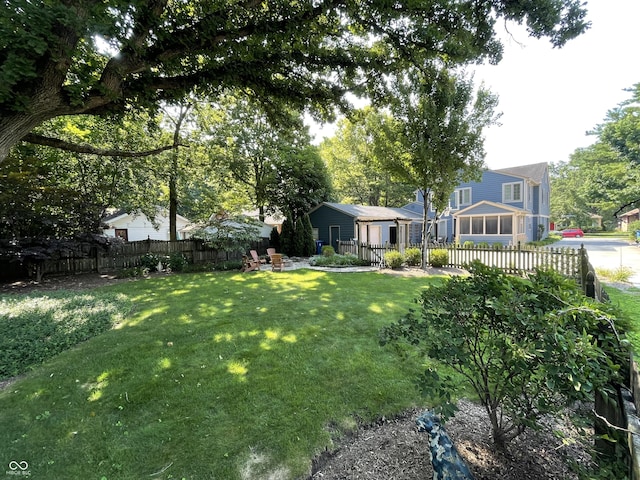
(375,235)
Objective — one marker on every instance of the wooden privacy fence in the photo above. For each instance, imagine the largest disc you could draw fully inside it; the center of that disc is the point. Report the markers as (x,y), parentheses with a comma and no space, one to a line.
(87,257)
(511,259)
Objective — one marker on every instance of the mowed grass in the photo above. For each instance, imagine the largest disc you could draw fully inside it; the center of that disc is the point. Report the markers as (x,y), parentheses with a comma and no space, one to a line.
(628,301)
(216,376)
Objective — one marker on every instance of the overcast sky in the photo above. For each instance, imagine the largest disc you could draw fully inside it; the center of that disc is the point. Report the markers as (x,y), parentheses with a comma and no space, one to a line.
(550,98)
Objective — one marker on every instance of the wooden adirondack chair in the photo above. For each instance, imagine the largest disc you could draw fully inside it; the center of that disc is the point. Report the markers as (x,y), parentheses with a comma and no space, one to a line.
(276,262)
(249,264)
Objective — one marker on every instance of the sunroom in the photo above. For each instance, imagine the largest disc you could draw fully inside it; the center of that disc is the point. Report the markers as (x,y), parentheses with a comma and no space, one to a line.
(492,223)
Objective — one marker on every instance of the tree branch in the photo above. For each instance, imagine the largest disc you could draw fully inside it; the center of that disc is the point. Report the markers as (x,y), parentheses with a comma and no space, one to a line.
(84,148)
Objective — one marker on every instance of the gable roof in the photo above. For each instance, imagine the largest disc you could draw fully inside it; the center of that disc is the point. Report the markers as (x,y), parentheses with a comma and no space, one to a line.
(493,206)
(535,171)
(120,214)
(630,213)
(370,213)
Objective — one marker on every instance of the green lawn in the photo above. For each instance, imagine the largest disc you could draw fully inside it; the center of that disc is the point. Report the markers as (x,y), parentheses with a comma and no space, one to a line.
(214,376)
(629,303)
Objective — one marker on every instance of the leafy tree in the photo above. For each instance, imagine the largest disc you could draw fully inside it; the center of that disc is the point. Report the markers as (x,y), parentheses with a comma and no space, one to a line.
(229,234)
(354,158)
(603,178)
(272,163)
(58,194)
(104,57)
(438,127)
(527,347)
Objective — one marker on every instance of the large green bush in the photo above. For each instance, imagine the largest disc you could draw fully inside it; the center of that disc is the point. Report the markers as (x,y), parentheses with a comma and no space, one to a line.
(393,259)
(413,256)
(439,257)
(527,347)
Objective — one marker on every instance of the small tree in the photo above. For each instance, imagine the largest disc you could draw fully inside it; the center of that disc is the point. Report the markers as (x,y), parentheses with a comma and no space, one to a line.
(274,239)
(298,238)
(309,242)
(527,347)
(229,235)
(286,237)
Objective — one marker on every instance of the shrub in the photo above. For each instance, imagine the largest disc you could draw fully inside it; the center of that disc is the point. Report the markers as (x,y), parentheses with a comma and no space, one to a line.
(199,267)
(528,347)
(467,244)
(150,261)
(328,251)
(439,258)
(337,260)
(36,327)
(177,261)
(483,245)
(497,246)
(413,256)
(393,259)
(229,265)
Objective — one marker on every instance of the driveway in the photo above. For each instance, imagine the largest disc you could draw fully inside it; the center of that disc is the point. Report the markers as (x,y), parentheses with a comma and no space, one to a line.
(609,253)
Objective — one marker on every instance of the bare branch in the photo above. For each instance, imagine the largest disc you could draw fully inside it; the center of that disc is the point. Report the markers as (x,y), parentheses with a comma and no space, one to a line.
(84,148)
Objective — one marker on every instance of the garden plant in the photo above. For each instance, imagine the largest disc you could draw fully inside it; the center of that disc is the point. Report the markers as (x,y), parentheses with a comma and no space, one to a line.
(527,347)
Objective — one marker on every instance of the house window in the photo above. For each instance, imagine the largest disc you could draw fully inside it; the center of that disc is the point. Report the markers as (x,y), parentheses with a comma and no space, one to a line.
(477,225)
(491,225)
(122,233)
(512,192)
(464,224)
(506,225)
(486,225)
(463,197)
(316,234)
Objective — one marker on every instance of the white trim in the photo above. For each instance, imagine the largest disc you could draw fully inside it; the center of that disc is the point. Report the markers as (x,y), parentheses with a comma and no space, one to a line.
(510,198)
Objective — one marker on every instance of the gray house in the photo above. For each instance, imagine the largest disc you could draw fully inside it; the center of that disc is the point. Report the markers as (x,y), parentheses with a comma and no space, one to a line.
(365,224)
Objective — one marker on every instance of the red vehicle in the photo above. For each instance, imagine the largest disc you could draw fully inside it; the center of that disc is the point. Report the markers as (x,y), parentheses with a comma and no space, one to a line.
(572,232)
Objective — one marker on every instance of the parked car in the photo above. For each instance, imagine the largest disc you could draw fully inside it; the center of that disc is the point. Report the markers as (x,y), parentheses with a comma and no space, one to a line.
(572,232)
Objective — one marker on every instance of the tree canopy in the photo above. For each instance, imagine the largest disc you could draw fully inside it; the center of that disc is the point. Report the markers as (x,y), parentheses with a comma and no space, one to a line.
(602,178)
(354,161)
(106,57)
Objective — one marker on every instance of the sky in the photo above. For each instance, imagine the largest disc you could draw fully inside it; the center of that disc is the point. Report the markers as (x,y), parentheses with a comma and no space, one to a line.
(549,97)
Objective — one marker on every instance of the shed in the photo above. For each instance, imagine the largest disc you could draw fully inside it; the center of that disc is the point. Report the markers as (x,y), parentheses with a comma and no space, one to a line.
(370,225)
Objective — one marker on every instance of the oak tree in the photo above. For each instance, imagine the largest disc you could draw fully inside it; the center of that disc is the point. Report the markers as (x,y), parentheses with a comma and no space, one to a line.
(104,57)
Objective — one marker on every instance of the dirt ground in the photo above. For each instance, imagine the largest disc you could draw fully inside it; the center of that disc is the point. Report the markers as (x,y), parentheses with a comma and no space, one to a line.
(392,448)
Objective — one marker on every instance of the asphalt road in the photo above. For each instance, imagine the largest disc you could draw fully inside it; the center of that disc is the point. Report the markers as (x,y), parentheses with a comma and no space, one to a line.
(610,253)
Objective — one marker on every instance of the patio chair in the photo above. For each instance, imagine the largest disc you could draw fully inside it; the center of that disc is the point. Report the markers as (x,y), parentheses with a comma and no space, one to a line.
(276,262)
(256,258)
(249,264)
(270,251)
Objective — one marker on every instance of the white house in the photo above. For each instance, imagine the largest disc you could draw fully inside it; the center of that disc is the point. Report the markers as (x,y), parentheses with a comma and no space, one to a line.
(136,226)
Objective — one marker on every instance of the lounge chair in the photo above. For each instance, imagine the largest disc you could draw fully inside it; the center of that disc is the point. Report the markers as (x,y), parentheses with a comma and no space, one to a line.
(249,264)
(276,262)
(270,251)
(256,258)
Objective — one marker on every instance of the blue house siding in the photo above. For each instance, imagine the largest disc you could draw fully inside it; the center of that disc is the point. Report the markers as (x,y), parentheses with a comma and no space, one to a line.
(324,218)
